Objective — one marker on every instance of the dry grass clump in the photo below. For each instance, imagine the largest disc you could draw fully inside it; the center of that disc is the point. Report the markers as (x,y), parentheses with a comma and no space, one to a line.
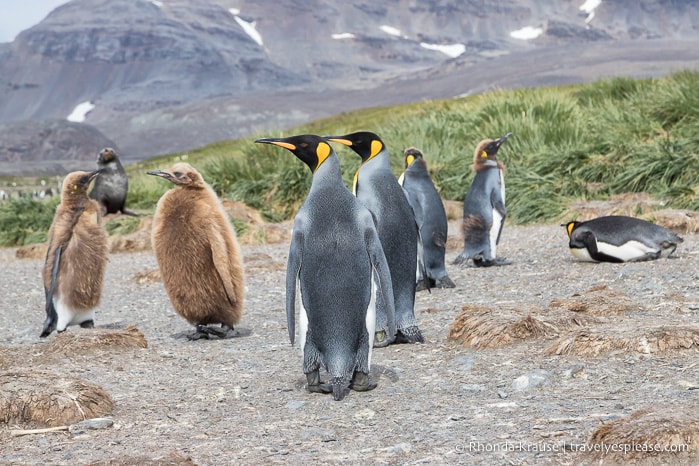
(650,340)
(172,459)
(598,301)
(147,276)
(494,327)
(46,399)
(661,435)
(80,341)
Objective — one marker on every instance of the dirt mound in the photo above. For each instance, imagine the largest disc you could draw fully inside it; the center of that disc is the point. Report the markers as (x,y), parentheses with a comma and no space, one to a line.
(494,327)
(598,301)
(44,398)
(81,341)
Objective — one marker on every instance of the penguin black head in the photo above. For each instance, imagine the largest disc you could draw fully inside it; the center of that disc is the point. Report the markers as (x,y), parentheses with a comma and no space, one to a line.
(181,174)
(570,226)
(486,150)
(412,155)
(311,149)
(106,156)
(366,144)
(76,184)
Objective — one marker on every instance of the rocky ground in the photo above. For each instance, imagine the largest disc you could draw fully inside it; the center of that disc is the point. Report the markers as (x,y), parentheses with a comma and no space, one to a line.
(547,356)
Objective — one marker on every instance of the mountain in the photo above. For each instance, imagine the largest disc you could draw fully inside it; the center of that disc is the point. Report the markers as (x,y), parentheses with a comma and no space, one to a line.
(154,77)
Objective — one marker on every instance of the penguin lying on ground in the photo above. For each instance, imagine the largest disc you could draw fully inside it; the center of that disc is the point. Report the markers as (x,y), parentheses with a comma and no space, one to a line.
(617,238)
(111,187)
(377,188)
(432,219)
(336,264)
(484,207)
(76,258)
(198,254)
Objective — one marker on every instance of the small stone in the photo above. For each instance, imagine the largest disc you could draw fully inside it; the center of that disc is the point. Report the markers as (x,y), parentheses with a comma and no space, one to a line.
(618,406)
(531,380)
(365,413)
(294,404)
(502,394)
(576,370)
(96,423)
(465,363)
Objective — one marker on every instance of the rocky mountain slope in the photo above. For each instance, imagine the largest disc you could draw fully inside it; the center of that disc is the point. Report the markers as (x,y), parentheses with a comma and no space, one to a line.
(161,76)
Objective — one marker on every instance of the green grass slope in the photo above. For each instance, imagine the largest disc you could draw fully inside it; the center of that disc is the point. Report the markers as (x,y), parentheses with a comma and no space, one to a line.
(583,142)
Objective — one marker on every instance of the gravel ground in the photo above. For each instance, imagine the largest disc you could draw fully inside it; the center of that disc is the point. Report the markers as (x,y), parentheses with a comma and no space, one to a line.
(244,401)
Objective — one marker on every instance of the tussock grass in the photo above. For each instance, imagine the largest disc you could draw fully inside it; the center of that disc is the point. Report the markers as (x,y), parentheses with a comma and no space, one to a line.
(574,143)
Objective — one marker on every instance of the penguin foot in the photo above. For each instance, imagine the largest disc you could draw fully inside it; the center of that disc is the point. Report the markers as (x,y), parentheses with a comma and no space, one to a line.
(49,327)
(409,335)
(498,261)
(314,385)
(444,282)
(211,332)
(88,324)
(361,383)
(381,339)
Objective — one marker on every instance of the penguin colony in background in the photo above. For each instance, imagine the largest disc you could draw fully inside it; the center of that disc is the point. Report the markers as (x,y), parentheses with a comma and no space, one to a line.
(484,207)
(76,258)
(354,260)
(198,254)
(377,188)
(337,265)
(617,238)
(431,218)
(112,186)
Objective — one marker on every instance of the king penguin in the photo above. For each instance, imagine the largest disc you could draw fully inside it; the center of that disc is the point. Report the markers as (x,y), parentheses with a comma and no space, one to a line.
(617,238)
(111,187)
(198,254)
(432,219)
(484,207)
(337,265)
(76,258)
(377,188)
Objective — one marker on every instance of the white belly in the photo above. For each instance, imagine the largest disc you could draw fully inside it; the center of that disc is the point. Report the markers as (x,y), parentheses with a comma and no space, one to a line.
(581,254)
(68,316)
(630,251)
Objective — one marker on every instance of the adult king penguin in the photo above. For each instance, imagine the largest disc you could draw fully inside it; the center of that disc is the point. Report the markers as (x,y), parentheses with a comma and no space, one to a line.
(76,258)
(377,188)
(618,238)
(111,187)
(198,254)
(432,219)
(484,207)
(336,264)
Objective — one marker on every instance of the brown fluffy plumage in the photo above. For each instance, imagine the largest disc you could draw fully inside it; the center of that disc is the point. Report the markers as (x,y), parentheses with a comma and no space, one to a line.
(479,160)
(197,250)
(77,231)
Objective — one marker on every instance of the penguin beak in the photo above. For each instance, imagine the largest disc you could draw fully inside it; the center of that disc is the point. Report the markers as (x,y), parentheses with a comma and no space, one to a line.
(339,139)
(277,142)
(92,175)
(502,139)
(160,173)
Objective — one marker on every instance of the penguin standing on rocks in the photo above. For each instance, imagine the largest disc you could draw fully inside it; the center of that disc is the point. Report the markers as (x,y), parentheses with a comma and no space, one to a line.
(198,254)
(484,207)
(432,219)
(76,258)
(377,188)
(617,238)
(337,265)
(111,187)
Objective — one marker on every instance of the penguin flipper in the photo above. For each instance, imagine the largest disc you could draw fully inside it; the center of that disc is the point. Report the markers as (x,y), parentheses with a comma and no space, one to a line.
(293,269)
(383,273)
(130,212)
(223,266)
(51,314)
(499,206)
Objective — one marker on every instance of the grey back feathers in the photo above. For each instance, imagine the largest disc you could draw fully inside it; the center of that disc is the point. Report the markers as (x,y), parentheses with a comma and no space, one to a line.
(484,207)
(76,259)
(432,218)
(618,238)
(378,189)
(335,264)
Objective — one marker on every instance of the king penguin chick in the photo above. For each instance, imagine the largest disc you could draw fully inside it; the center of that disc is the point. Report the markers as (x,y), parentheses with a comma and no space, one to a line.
(617,238)
(377,188)
(484,207)
(432,219)
(111,187)
(336,264)
(76,258)
(198,254)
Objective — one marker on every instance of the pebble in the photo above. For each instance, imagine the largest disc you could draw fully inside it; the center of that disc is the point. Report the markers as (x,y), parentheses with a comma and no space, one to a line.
(294,404)
(531,380)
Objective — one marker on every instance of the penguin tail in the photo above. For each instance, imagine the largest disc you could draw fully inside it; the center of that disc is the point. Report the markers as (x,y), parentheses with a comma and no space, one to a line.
(49,326)
(338,391)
